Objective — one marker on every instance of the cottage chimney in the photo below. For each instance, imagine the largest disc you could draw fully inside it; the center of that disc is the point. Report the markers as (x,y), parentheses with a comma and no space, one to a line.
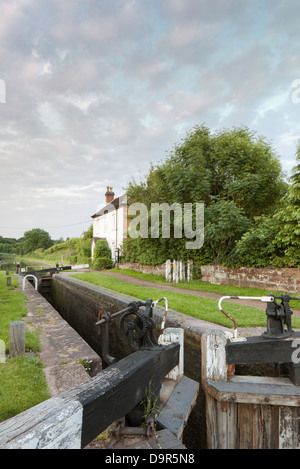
(109,195)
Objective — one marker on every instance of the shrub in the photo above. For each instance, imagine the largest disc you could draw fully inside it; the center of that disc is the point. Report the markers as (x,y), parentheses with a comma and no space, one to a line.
(102,263)
(102,256)
(102,249)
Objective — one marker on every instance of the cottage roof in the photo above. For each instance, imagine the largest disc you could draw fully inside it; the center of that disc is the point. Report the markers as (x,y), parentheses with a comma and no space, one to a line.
(113,205)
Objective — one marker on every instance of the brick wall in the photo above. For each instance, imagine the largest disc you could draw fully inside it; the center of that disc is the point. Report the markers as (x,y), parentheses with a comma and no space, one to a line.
(270,278)
(287,279)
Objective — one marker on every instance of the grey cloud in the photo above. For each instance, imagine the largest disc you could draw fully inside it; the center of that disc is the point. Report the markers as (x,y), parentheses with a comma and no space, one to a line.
(98,90)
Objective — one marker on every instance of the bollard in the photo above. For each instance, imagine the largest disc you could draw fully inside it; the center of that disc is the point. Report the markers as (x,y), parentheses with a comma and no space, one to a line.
(17,338)
(8,281)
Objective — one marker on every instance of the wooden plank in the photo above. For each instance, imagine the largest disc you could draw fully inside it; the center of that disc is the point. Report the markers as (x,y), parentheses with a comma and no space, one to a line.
(176,411)
(95,403)
(213,441)
(223,425)
(53,424)
(270,425)
(232,439)
(245,426)
(256,427)
(255,393)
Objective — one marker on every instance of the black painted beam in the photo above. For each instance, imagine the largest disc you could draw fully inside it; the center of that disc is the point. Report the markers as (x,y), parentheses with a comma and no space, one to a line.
(120,387)
(258,349)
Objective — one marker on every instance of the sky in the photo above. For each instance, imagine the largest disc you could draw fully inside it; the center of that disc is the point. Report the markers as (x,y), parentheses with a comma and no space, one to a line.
(92,92)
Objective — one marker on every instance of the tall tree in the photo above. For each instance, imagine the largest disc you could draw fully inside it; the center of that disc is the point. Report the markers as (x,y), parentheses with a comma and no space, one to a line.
(36,239)
(234,165)
(237,175)
(288,219)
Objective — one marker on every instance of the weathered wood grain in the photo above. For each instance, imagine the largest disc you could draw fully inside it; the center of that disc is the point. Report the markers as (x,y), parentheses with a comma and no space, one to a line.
(256,392)
(77,416)
(249,412)
(17,338)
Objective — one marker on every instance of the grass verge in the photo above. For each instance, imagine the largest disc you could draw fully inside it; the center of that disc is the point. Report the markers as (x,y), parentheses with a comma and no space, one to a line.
(197,306)
(198,285)
(22,380)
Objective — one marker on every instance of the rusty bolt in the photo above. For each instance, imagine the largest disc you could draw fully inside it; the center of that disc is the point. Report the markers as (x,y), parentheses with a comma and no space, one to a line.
(233,397)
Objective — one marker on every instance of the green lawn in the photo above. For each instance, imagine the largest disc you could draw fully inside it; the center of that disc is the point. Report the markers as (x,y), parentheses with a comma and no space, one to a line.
(198,285)
(22,385)
(12,308)
(193,305)
(22,380)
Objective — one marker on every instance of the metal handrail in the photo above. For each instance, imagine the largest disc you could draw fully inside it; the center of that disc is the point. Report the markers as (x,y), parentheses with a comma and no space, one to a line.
(267,299)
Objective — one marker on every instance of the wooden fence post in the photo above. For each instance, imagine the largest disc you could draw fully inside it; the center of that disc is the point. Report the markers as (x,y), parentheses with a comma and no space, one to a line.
(168,271)
(175,271)
(17,338)
(8,281)
(181,271)
(218,414)
(189,273)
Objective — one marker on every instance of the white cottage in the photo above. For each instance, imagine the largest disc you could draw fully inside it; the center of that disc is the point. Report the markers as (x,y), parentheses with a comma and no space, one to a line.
(110,223)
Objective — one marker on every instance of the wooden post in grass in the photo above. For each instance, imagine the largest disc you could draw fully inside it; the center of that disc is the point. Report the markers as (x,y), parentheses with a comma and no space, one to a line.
(17,338)
(8,281)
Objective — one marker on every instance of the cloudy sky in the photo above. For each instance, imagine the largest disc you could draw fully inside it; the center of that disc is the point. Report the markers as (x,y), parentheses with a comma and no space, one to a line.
(94,91)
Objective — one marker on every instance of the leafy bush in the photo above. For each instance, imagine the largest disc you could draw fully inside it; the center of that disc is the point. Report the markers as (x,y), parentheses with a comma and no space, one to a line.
(102,249)
(256,248)
(102,263)
(102,256)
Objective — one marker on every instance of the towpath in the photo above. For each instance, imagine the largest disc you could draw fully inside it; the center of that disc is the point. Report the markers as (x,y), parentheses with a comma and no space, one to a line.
(163,286)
